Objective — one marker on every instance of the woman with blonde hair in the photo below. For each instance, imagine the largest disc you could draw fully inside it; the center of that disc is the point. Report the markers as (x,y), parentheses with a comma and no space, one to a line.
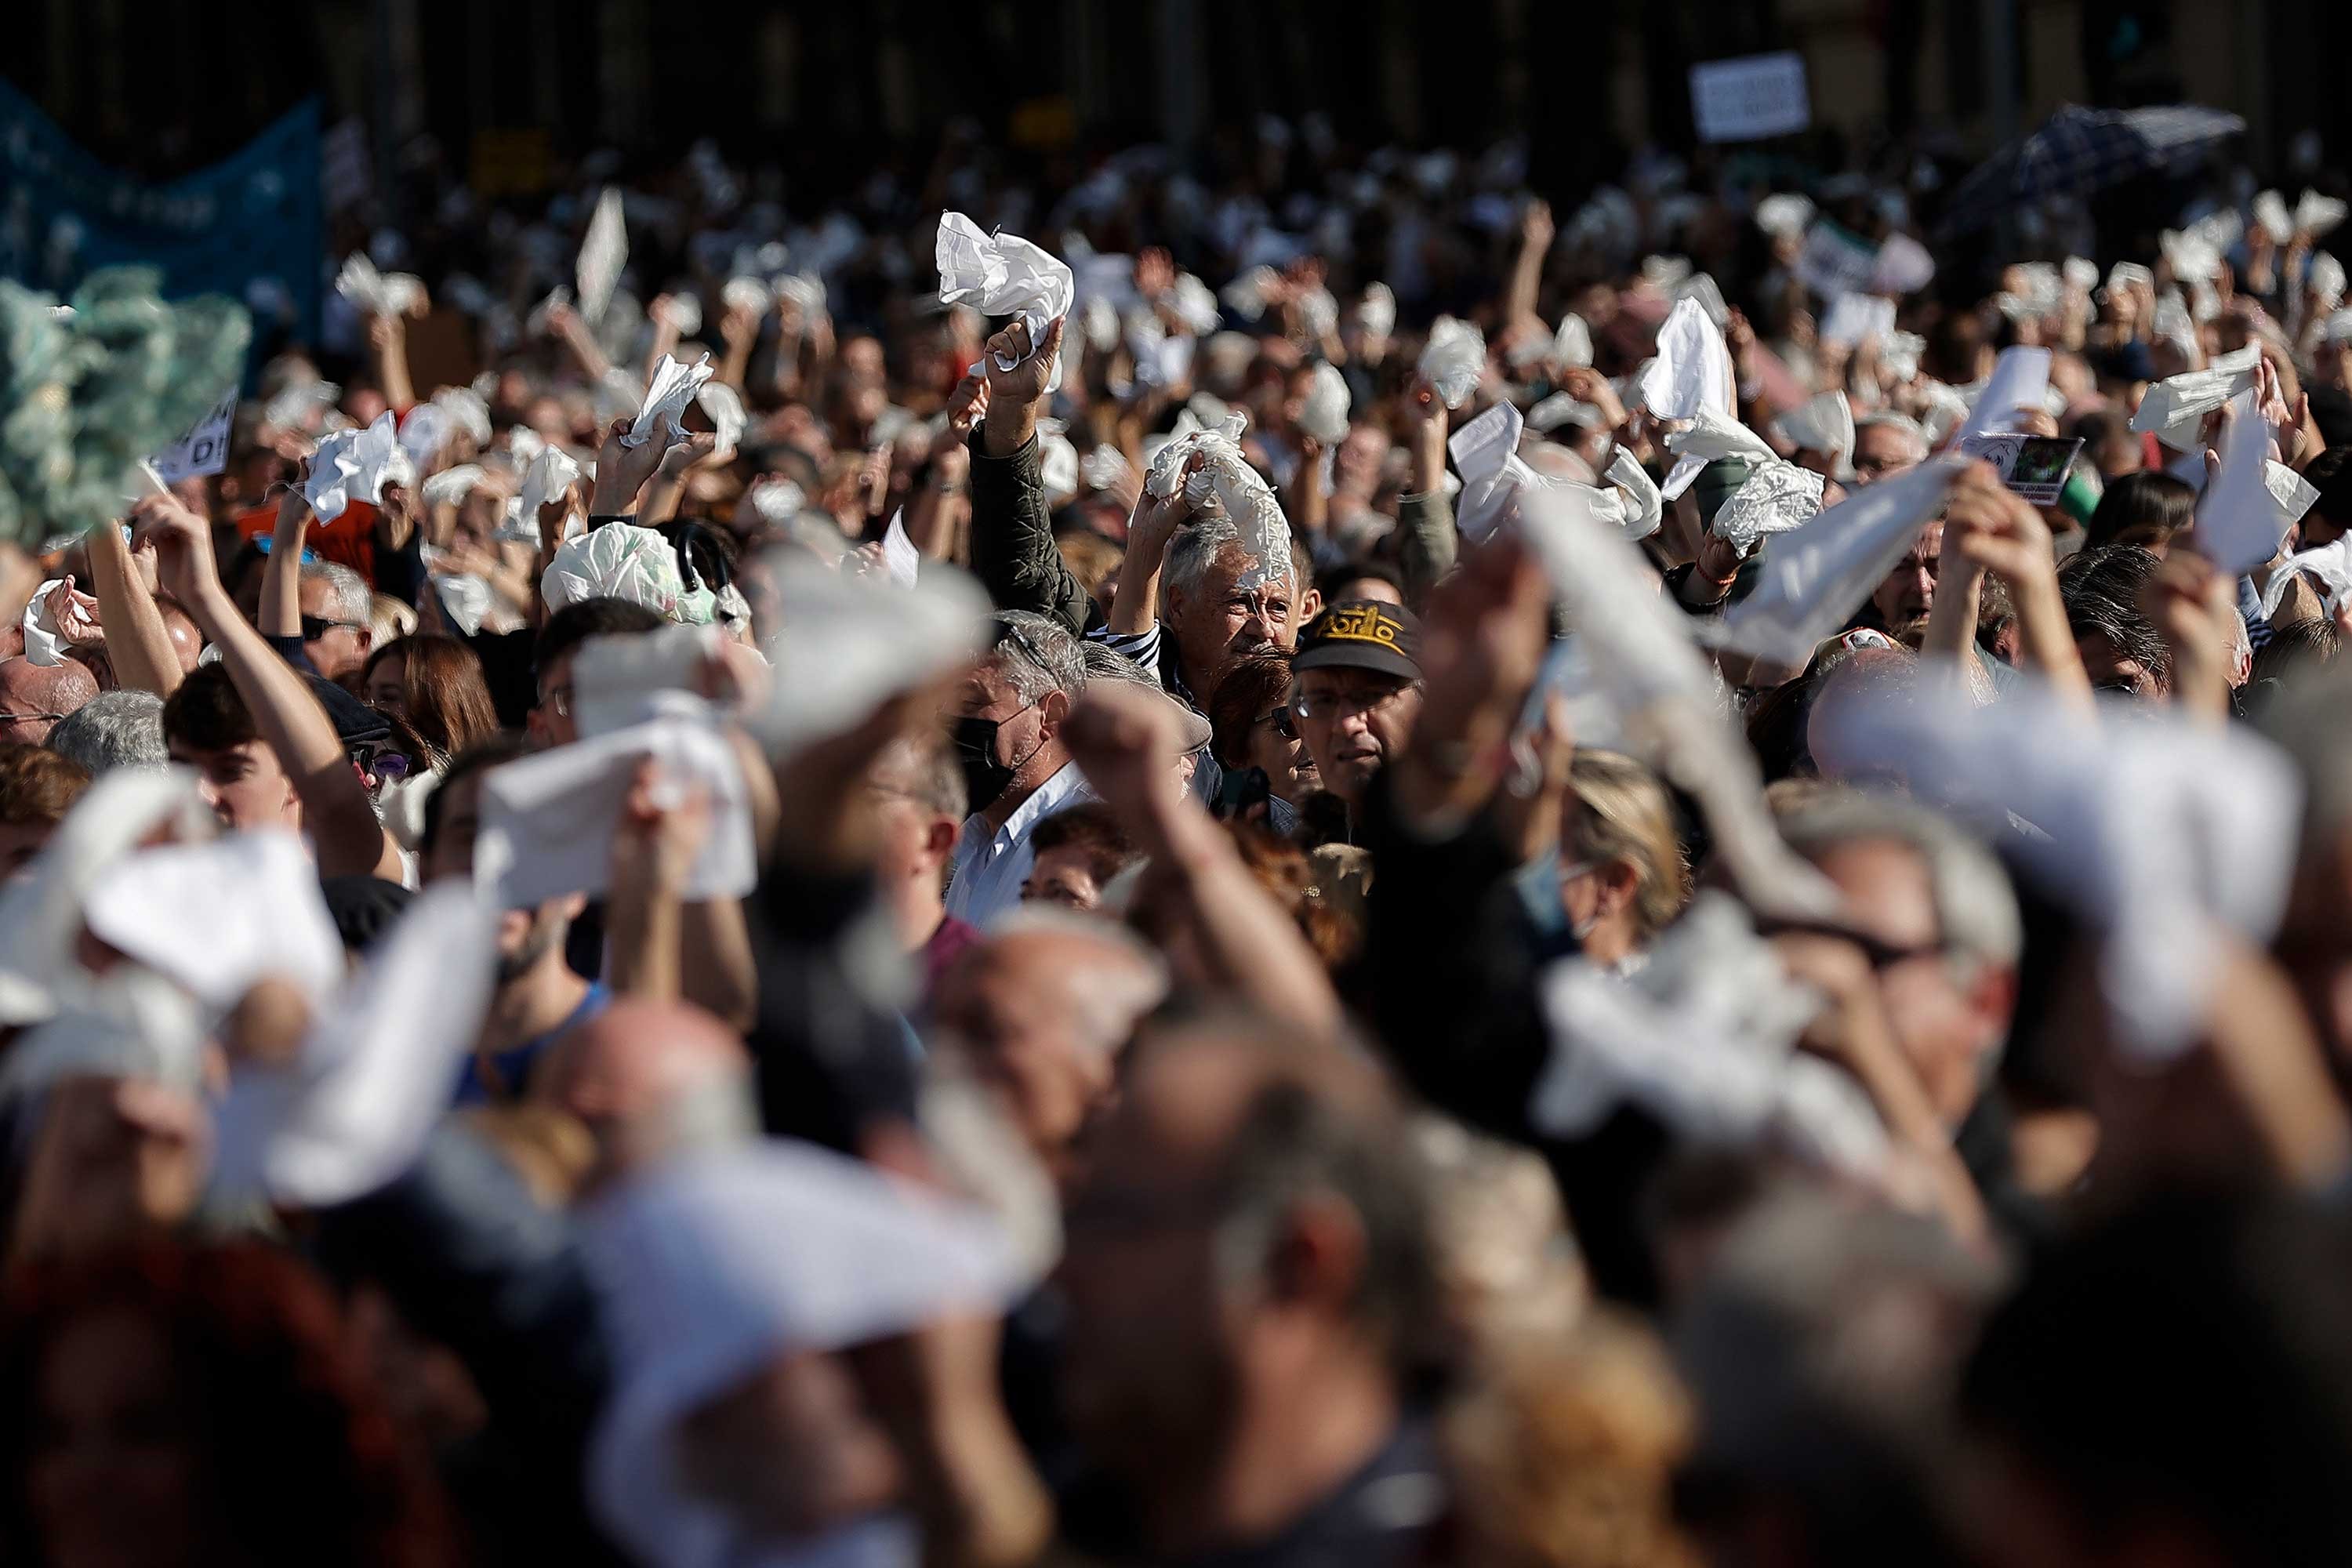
(1623,878)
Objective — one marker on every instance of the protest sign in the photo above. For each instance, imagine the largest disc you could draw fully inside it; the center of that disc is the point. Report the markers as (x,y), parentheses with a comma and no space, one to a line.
(1749,99)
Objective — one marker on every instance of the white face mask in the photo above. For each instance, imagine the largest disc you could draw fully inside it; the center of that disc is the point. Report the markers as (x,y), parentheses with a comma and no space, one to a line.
(1584,928)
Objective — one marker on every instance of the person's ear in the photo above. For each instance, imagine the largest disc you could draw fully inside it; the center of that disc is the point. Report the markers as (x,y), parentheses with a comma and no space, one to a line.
(574,906)
(1310,605)
(940,838)
(1054,711)
(1620,884)
(365,637)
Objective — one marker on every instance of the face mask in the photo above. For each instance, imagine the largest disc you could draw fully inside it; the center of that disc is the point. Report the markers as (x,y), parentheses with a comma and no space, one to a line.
(985,779)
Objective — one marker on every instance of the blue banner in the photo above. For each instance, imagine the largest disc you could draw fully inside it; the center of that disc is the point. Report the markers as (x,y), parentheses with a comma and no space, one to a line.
(248,227)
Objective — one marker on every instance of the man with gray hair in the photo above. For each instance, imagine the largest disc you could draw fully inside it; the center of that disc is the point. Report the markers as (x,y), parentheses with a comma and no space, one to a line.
(1937,914)
(119,729)
(1885,445)
(337,625)
(1007,721)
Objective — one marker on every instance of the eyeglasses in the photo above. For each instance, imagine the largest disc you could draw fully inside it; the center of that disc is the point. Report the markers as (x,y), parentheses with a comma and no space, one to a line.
(31,718)
(385,765)
(1281,720)
(557,699)
(1334,704)
(316,627)
(1880,955)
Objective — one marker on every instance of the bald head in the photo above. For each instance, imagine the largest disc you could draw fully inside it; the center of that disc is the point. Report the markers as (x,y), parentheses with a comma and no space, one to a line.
(649,1080)
(33,697)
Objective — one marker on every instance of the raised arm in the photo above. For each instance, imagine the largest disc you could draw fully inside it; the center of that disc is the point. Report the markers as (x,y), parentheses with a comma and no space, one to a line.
(1996,529)
(280,614)
(136,640)
(336,811)
(388,341)
(1013,550)
(1526,271)
(1135,607)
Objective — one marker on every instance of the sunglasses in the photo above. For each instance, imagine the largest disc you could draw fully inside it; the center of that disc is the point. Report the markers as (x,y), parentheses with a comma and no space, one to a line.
(314,627)
(1283,725)
(385,765)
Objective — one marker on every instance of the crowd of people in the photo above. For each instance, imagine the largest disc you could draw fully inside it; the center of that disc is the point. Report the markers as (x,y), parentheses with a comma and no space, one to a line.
(1279,860)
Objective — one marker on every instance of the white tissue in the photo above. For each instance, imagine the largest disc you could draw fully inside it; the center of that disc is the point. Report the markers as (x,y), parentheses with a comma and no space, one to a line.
(1003,275)
(373,294)
(1776,498)
(356,465)
(552,473)
(846,644)
(1226,486)
(1823,423)
(674,386)
(1324,414)
(1453,361)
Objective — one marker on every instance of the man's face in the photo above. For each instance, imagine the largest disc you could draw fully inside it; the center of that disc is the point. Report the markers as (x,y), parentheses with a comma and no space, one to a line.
(1020,726)
(1065,876)
(1909,590)
(33,698)
(1017,1010)
(1881,451)
(1357,467)
(2111,669)
(1353,721)
(1948,1033)
(917,840)
(1232,610)
(244,786)
(340,646)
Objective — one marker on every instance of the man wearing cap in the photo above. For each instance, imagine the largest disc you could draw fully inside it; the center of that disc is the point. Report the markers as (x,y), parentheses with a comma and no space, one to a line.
(1356,690)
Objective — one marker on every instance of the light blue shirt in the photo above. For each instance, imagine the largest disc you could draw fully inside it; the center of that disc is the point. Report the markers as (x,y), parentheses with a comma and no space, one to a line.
(991,864)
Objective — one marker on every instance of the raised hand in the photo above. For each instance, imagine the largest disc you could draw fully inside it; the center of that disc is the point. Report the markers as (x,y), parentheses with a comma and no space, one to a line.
(1026,380)
(182,543)
(967,403)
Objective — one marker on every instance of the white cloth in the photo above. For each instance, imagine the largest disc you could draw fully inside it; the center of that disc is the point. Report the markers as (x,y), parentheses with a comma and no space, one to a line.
(356,465)
(1455,360)
(2331,564)
(549,819)
(1226,486)
(451,485)
(2176,407)
(1002,275)
(219,915)
(1823,423)
(622,561)
(354,1108)
(603,251)
(698,1298)
(674,386)
(724,405)
(552,472)
(1324,416)
(45,640)
(373,294)
(991,864)
(1776,498)
(1691,371)
(129,1025)
(1813,579)
(1571,344)
(846,644)
(1712,435)
(618,681)
(901,559)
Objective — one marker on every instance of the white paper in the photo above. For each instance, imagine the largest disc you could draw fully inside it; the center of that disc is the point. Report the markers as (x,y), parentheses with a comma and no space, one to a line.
(373,293)
(847,644)
(548,820)
(1455,360)
(2019,379)
(356,465)
(1485,454)
(2176,407)
(603,251)
(1813,579)
(1750,99)
(215,917)
(623,680)
(1002,275)
(1324,416)
(1856,319)
(373,1073)
(203,450)
(41,908)
(2240,522)
(899,556)
(1691,371)
(1665,694)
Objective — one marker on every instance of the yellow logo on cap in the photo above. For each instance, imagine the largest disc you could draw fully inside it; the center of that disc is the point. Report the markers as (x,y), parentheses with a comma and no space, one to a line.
(1363,623)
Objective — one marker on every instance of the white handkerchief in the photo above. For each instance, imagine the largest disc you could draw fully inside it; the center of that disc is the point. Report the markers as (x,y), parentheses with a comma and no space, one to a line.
(451,485)
(465,599)
(2080,274)
(1703,1037)
(549,819)
(262,915)
(622,561)
(2019,379)
(1226,486)
(45,642)
(1702,287)
(2270,211)
(2331,564)
(1485,454)
(2240,522)
(1776,498)
(1560,409)
(1691,371)
(899,555)
(725,408)
(674,386)
(846,644)
(2154,830)
(128,1025)
(1823,423)
(1665,693)
(2337,328)
(373,294)
(2316,215)
(1898,356)
(424,433)
(466,410)
(1453,361)
(41,908)
(1904,266)
(1003,275)
(747,294)
(603,251)
(1784,215)
(621,681)
(1325,413)
(1856,319)
(356,465)
(1712,435)
(2324,277)
(374,1071)
(1571,345)
(552,473)
(2176,407)
(1376,313)
(1813,579)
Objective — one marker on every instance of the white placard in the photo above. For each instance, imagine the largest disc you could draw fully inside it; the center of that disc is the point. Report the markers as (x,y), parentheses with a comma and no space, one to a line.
(1836,261)
(1749,99)
(203,450)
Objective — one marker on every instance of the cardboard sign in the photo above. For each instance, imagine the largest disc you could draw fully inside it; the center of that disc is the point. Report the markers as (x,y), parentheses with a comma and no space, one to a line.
(1749,99)
(2035,467)
(203,450)
(1836,261)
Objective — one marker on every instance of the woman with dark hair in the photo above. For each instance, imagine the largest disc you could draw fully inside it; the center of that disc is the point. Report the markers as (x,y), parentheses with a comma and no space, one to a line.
(182,1404)
(1250,730)
(2145,508)
(435,682)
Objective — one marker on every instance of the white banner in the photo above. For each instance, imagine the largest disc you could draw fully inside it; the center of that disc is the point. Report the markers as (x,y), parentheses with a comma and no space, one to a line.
(1750,99)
